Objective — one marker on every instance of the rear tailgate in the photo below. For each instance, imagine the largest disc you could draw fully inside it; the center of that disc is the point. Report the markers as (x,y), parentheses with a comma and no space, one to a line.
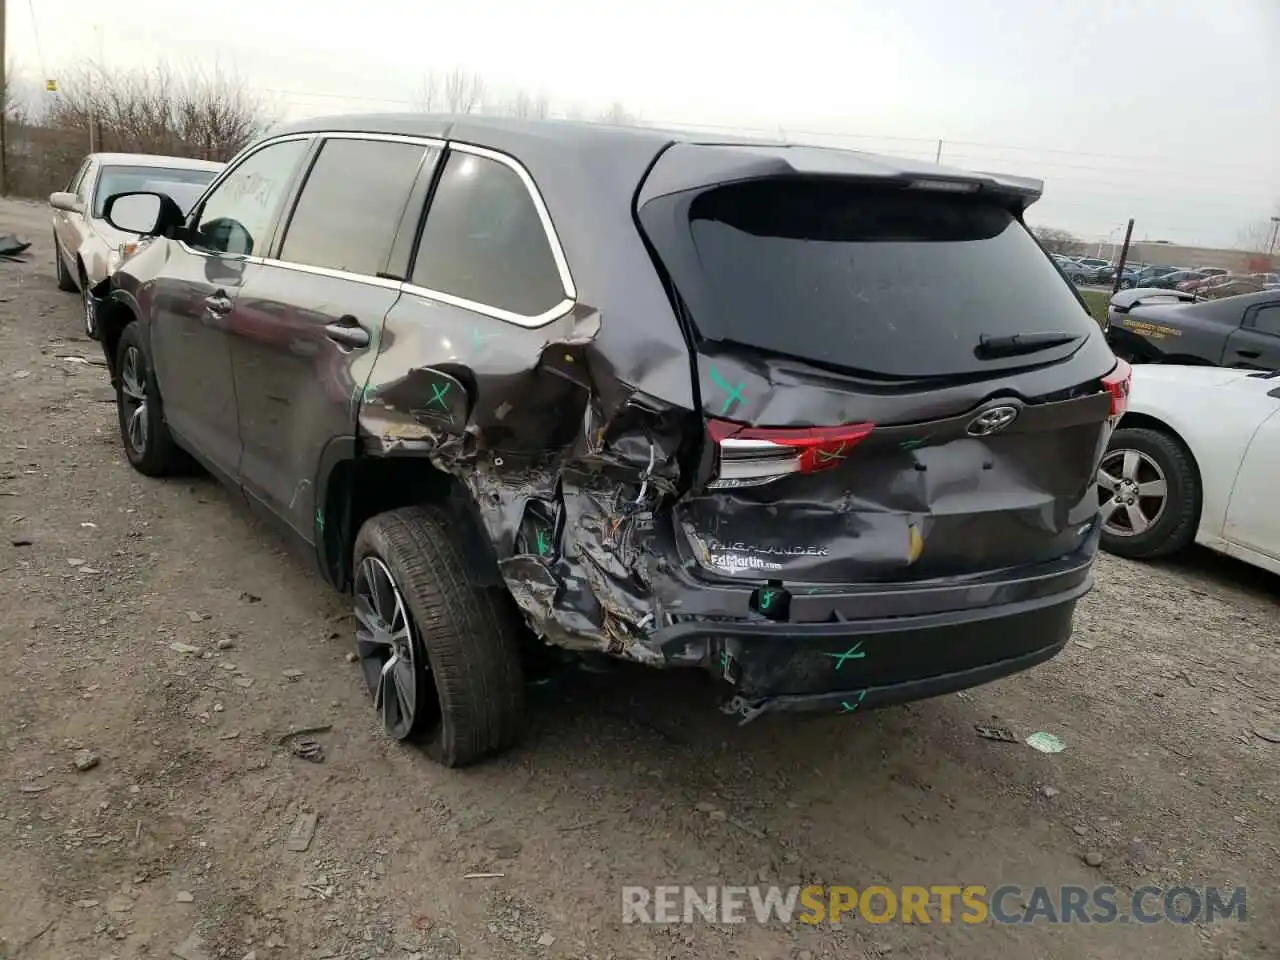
(856,428)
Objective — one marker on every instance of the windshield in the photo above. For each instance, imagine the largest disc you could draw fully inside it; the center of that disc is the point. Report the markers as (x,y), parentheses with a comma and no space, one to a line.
(894,282)
(183,185)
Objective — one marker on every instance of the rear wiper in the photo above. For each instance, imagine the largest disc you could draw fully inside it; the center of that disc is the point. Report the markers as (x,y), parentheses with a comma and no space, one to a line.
(1017,344)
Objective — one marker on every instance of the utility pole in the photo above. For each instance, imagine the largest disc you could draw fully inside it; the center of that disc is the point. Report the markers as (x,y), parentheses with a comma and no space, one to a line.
(1124,255)
(4,108)
(1275,229)
(937,157)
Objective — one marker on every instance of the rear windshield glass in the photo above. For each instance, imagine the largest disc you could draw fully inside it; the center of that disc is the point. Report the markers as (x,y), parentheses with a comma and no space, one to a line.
(891,282)
(184,186)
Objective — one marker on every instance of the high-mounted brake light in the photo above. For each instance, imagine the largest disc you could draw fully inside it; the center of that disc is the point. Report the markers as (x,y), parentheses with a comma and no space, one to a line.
(945,186)
(1117,383)
(751,456)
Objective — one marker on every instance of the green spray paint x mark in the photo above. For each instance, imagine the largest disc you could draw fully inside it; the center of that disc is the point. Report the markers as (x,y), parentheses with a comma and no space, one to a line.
(544,543)
(853,653)
(836,454)
(438,390)
(846,707)
(732,394)
(912,444)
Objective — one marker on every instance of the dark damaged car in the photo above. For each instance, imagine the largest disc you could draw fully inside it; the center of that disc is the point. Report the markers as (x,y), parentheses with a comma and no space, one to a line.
(820,423)
(1175,326)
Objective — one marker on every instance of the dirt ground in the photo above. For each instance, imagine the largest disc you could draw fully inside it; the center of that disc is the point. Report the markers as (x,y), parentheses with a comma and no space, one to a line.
(155,625)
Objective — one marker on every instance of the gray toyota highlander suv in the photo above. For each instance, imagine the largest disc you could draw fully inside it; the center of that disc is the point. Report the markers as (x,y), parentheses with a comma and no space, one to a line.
(821,423)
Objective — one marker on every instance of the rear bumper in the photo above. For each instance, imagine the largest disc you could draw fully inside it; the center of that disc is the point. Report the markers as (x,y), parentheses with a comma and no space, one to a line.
(822,659)
(852,671)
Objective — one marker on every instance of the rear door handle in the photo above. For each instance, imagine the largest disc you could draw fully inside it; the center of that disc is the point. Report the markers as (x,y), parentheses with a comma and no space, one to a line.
(1250,354)
(219,304)
(347,334)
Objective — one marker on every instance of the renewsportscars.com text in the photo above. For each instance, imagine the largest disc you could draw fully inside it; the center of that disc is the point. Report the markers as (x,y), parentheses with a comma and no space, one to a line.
(944,904)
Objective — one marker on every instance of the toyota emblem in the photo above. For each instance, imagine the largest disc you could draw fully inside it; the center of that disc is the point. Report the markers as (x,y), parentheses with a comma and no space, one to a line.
(991,421)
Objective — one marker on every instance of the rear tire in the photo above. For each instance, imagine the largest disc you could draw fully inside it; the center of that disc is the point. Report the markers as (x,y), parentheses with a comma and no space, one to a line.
(462,641)
(147,441)
(1173,527)
(66,282)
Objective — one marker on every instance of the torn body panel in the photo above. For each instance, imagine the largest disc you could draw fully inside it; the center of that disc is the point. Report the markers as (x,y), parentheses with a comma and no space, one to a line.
(564,463)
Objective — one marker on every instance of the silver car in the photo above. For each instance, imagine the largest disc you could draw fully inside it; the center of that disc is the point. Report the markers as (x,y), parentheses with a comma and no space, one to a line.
(86,248)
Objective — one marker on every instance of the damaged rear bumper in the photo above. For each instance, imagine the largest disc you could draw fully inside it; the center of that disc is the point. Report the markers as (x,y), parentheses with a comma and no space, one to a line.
(906,645)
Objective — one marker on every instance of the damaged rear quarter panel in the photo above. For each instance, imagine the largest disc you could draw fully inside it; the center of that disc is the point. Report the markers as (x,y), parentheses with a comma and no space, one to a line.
(564,461)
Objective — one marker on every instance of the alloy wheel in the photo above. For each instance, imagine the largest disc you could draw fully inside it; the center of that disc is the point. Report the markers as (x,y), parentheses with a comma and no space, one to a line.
(389,657)
(133,400)
(1132,492)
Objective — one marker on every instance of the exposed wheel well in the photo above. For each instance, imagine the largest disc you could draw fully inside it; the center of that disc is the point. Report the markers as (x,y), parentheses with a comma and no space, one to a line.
(361,487)
(1143,421)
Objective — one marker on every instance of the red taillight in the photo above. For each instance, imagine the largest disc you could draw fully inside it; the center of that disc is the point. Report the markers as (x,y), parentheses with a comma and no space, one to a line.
(1117,384)
(749,456)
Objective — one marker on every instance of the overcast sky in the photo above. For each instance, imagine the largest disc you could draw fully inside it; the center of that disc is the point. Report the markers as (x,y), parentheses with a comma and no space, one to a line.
(1164,110)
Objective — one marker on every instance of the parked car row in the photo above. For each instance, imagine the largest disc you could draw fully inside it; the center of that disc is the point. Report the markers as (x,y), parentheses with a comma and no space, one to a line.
(1215,281)
(511,381)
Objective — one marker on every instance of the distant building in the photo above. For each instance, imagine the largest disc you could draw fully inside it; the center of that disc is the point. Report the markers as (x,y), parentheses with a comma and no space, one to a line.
(1177,255)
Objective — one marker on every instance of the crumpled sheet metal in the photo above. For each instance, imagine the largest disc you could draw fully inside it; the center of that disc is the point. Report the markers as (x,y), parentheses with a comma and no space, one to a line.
(563,463)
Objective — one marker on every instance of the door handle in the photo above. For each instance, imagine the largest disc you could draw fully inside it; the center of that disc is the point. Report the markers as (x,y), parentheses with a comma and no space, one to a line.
(347,334)
(1249,354)
(219,304)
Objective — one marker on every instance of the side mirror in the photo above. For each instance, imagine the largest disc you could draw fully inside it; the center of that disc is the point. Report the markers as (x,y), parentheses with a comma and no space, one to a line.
(68,202)
(142,212)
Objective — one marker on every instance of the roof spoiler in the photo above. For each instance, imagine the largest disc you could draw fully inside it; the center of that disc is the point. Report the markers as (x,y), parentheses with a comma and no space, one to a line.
(1126,300)
(691,166)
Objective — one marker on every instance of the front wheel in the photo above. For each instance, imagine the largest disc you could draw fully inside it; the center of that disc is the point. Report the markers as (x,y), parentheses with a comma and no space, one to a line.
(440,655)
(147,441)
(1148,494)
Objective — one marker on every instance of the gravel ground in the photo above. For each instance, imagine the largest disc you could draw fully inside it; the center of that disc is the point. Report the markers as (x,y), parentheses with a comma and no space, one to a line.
(153,625)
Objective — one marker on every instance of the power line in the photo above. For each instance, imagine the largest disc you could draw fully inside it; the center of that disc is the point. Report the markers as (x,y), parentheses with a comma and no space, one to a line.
(35,32)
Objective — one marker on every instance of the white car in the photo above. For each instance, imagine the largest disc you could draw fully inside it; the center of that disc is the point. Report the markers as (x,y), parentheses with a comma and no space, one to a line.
(86,249)
(1196,457)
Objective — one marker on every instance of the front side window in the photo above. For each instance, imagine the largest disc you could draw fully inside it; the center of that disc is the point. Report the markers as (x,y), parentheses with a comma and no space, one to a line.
(483,240)
(183,185)
(237,215)
(347,214)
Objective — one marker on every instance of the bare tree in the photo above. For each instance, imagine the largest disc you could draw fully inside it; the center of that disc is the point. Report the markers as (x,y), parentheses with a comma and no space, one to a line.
(457,91)
(618,114)
(1056,240)
(463,92)
(155,110)
(1260,237)
(523,106)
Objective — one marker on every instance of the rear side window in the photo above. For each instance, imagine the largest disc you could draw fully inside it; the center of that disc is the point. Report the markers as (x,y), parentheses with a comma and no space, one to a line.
(351,204)
(483,240)
(887,282)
